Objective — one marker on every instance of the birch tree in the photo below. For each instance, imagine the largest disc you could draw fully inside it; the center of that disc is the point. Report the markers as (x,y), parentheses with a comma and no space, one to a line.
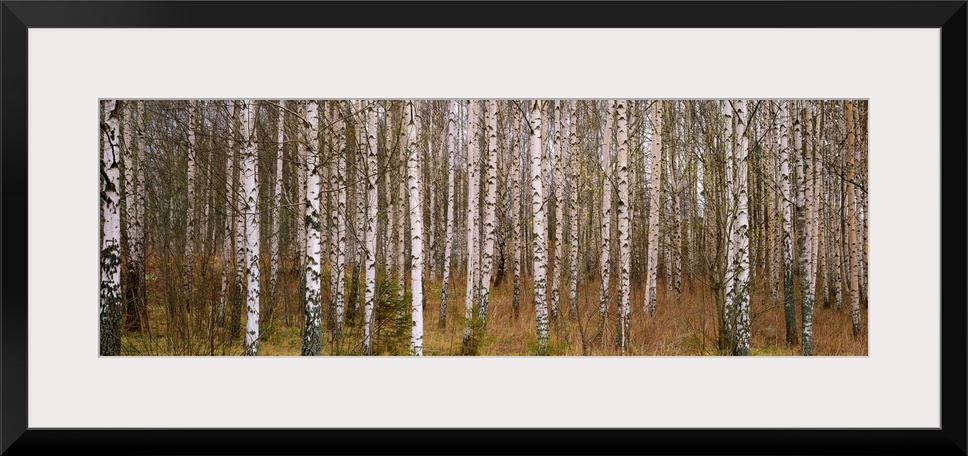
(228,278)
(573,209)
(250,172)
(416,231)
(240,152)
(277,202)
(473,262)
(655,204)
(854,256)
(606,208)
(489,210)
(371,195)
(806,306)
(789,309)
(538,230)
(625,251)
(448,236)
(555,180)
(312,342)
(190,208)
(738,271)
(134,290)
(110,306)
(339,216)
(515,208)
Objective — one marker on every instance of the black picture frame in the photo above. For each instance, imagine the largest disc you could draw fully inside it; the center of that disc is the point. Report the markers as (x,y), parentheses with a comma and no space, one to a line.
(18,16)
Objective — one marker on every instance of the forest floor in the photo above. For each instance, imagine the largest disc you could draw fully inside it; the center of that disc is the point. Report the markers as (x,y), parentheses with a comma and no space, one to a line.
(683,326)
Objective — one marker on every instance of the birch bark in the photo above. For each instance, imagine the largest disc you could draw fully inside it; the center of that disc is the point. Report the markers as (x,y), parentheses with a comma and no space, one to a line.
(250,172)
(416,231)
(538,230)
(312,330)
(448,236)
(110,304)
(489,210)
(370,241)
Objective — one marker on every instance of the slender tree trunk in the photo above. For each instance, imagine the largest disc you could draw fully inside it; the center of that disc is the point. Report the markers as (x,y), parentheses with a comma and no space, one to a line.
(538,230)
(675,187)
(416,231)
(312,343)
(789,309)
(738,274)
(854,255)
(110,306)
(655,203)
(555,180)
(448,236)
(624,322)
(228,278)
(489,211)
(606,210)
(190,208)
(339,216)
(402,205)
(516,208)
(277,204)
(473,260)
(300,167)
(371,196)
(250,172)
(806,306)
(240,288)
(133,288)
(573,209)
(139,231)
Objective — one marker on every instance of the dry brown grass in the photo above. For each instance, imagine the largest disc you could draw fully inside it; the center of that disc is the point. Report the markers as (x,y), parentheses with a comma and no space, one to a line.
(683,326)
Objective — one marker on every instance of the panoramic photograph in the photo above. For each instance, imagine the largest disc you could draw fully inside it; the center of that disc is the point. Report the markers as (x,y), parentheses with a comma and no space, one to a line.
(439,227)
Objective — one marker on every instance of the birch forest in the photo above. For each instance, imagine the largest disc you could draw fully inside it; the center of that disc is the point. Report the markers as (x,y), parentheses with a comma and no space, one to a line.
(483,227)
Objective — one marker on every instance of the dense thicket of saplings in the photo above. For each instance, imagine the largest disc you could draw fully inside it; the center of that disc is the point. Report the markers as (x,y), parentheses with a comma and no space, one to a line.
(490,227)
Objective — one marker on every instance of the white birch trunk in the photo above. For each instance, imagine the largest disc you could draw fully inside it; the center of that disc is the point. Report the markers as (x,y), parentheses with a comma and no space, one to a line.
(738,272)
(277,203)
(250,173)
(789,309)
(371,195)
(606,209)
(339,216)
(473,261)
(134,200)
(538,230)
(230,214)
(448,236)
(516,208)
(555,180)
(625,250)
(300,166)
(430,247)
(489,210)
(675,188)
(190,207)
(312,330)
(729,310)
(416,230)
(401,206)
(854,253)
(806,306)
(655,204)
(138,254)
(240,287)
(573,209)
(110,305)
